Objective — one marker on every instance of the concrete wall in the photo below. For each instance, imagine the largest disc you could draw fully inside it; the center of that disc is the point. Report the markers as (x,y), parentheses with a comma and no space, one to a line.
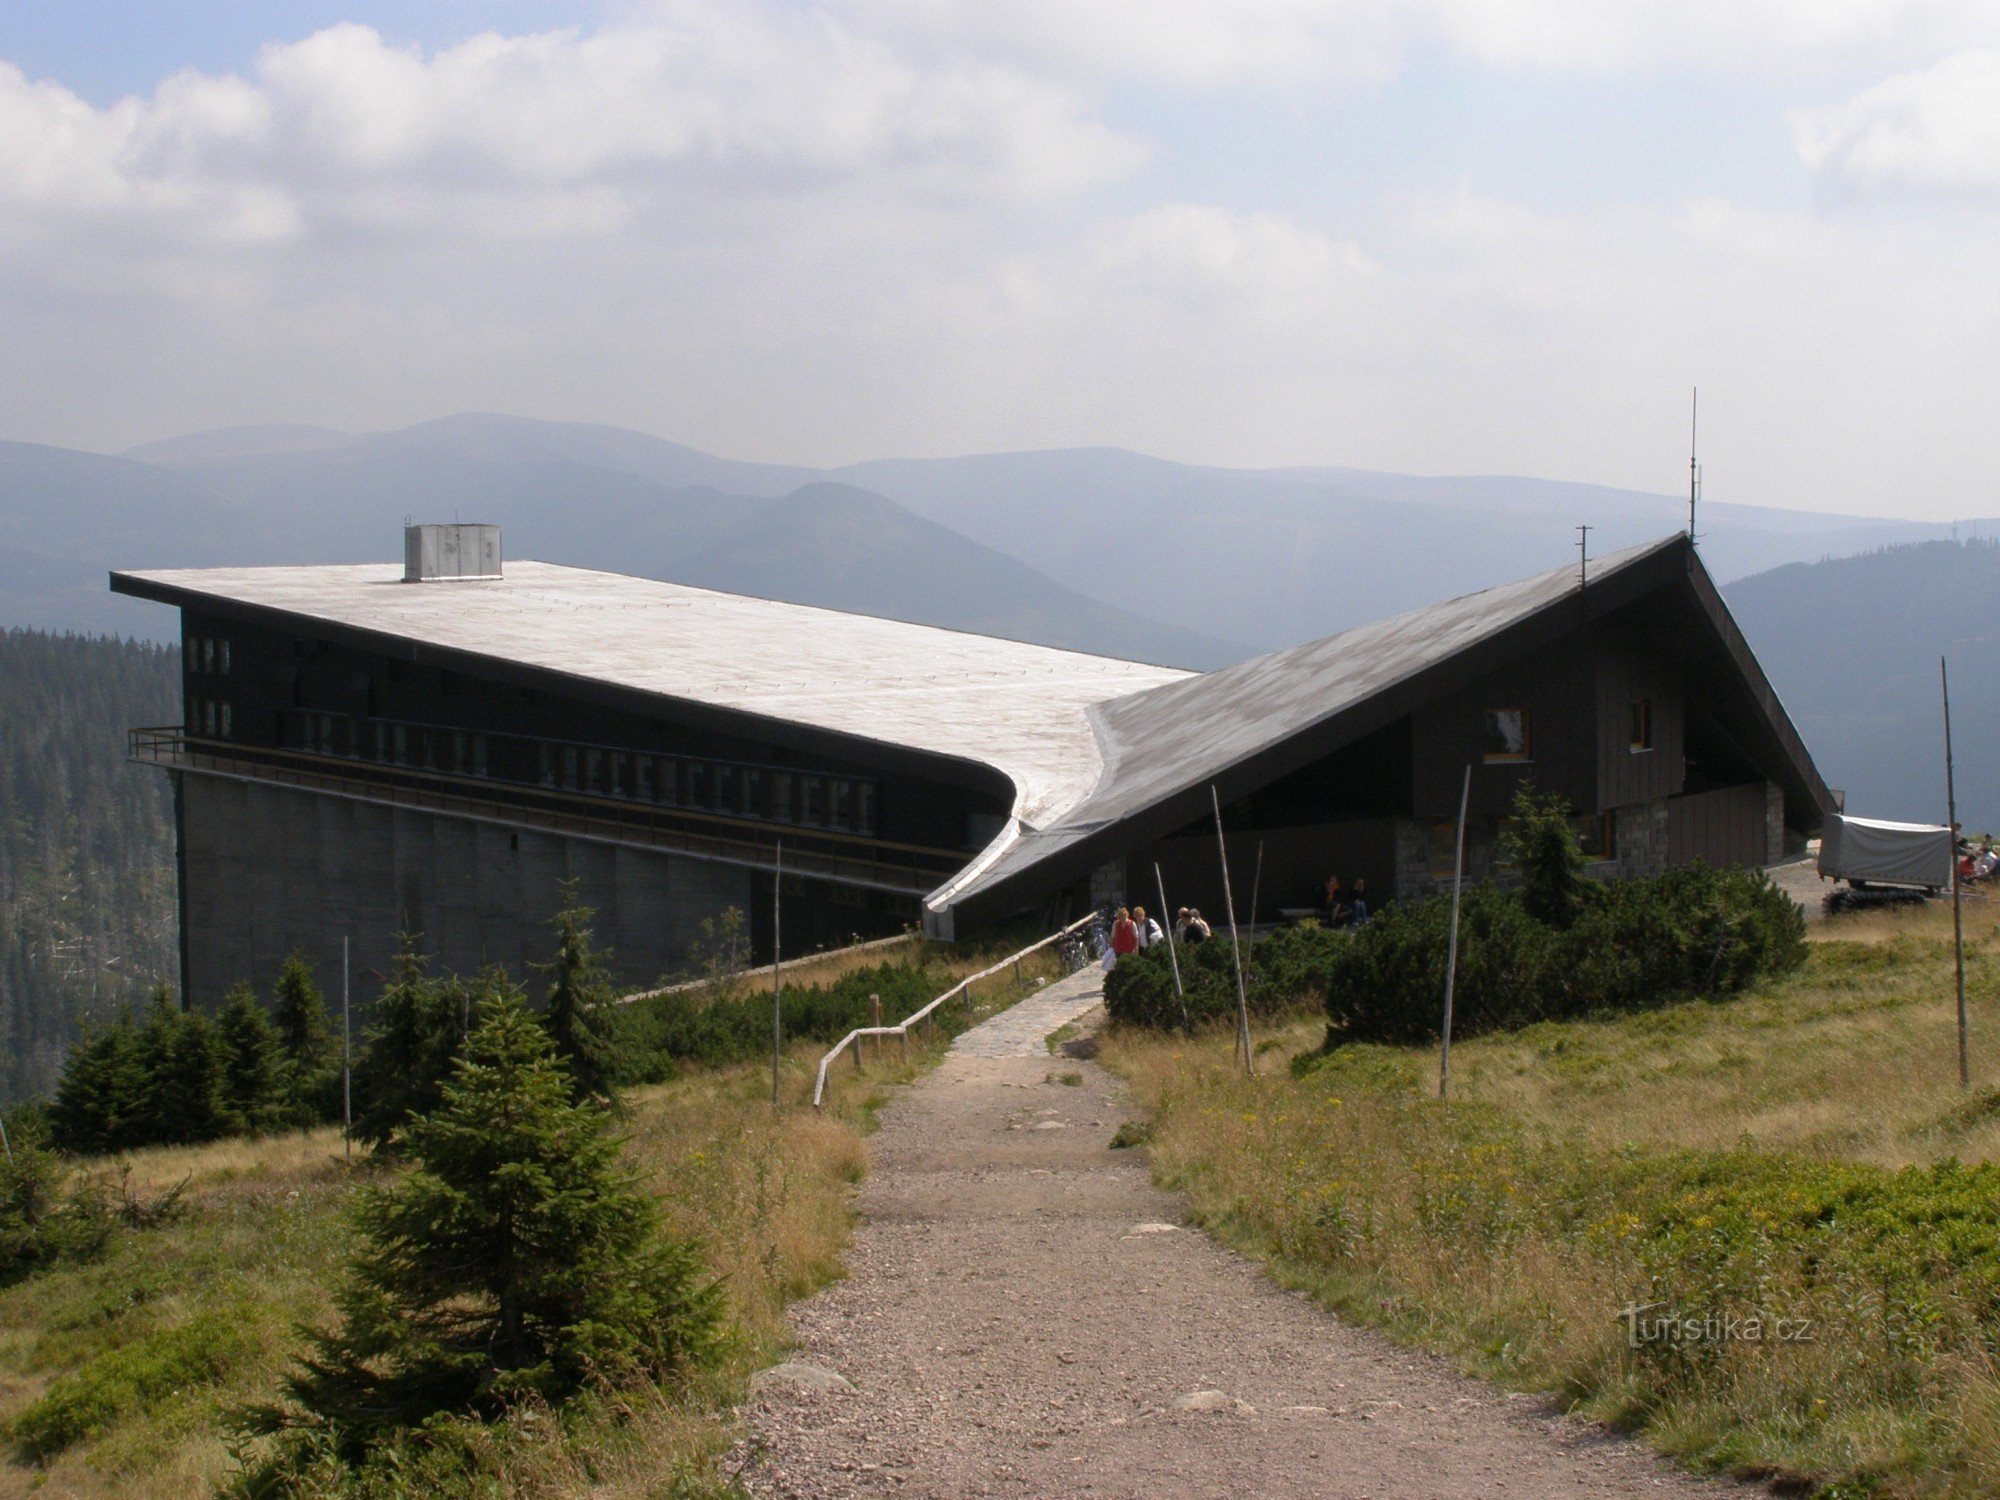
(272,869)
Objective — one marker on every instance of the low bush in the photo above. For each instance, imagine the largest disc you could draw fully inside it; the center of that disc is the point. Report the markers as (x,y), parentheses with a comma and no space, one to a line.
(1280,972)
(1632,945)
(48,1213)
(662,1033)
(128,1378)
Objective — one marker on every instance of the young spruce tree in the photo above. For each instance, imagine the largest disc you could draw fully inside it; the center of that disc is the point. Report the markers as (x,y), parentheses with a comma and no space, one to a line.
(100,1097)
(516,1258)
(304,1031)
(419,1026)
(581,1015)
(253,1062)
(1544,844)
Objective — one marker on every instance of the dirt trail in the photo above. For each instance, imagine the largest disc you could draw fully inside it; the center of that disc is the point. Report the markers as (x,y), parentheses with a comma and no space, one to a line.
(1021,1319)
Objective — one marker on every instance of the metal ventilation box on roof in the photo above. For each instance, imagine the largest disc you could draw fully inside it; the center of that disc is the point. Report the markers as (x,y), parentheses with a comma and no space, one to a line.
(437,553)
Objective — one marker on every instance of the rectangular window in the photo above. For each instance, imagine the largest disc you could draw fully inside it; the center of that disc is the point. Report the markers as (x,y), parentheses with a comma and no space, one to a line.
(224,724)
(781,796)
(697,784)
(208,717)
(402,750)
(208,654)
(1642,724)
(569,767)
(843,803)
(479,755)
(594,761)
(724,789)
(864,807)
(621,774)
(1507,736)
(670,781)
(225,656)
(642,778)
(548,765)
(750,799)
(812,801)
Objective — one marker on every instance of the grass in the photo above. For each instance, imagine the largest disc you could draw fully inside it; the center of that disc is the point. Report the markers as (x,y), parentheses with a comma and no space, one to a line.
(117,1378)
(1802,1151)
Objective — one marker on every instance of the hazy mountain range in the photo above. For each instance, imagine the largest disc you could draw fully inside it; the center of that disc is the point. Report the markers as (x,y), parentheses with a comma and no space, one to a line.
(1097,549)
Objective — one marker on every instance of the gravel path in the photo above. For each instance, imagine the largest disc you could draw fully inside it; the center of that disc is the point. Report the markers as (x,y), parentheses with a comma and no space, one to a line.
(1023,1317)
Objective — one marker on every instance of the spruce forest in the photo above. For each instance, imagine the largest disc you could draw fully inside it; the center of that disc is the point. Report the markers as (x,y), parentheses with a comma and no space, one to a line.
(86,844)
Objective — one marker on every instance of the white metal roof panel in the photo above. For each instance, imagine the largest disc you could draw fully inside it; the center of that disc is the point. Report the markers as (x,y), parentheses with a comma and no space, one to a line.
(1020,708)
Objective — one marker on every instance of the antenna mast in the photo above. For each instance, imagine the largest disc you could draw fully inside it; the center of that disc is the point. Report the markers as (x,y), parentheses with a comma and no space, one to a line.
(1694,469)
(1583,557)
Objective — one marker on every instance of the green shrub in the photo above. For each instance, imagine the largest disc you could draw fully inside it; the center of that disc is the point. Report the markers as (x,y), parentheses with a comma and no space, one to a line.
(127,1378)
(1281,971)
(47,1213)
(1630,945)
(661,1033)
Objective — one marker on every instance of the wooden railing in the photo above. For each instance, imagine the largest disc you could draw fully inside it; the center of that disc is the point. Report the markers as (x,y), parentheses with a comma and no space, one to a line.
(876,864)
(902,1028)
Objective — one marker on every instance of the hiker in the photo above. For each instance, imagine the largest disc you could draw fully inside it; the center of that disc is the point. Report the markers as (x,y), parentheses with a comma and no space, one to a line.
(1358,908)
(1124,935)
(1197,930)
(1335,911)
(1181,926)
(1148,930)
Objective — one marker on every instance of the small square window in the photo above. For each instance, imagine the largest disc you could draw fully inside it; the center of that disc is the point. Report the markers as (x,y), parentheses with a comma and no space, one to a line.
(1444,850)
(1598,836)
(1507,736)
(1642,724)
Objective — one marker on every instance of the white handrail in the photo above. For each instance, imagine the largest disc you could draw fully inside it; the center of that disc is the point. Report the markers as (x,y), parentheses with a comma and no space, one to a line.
(902,1029)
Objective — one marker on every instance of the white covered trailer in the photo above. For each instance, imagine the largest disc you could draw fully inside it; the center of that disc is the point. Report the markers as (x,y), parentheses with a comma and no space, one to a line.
(1869,852)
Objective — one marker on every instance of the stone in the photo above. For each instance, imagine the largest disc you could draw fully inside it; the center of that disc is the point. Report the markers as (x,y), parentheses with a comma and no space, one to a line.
(1209,1401)
(1151,1229)
(800,1375)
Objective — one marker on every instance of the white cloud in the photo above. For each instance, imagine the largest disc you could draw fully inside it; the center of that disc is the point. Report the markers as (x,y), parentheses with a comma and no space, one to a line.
(1935,131)
(342,132)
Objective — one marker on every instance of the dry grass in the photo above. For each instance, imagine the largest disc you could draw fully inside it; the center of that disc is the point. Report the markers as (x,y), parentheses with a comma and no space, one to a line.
(1509,1226)
(763,1191)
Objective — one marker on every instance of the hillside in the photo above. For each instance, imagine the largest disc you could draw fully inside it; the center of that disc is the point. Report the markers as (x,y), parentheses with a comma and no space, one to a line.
(86,843)
(1258,558)
(1852,645)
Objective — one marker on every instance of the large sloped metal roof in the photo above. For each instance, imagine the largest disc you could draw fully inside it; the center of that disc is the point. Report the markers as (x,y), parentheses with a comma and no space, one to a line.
(1021,709)
(1232,728)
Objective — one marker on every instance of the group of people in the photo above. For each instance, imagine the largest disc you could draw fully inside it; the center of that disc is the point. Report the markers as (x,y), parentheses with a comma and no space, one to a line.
(1132,930)
(1344,906)
(1977,861)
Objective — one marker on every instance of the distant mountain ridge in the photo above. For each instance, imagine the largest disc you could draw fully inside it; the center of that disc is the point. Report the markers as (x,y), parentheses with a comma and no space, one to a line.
(1852,645)
(1100,549)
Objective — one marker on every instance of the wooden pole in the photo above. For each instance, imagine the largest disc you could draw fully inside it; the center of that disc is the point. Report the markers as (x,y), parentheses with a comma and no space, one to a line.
(1957,918)
(1451,953)
(777,968)
(1256,887)
(346,1056)
(1235,943)
(1173,956)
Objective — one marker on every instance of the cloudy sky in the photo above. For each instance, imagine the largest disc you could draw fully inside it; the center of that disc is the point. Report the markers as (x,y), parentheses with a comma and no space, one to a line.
(1443,236)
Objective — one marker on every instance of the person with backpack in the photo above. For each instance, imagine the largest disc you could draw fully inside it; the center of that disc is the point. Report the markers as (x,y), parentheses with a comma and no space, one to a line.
(1124,936)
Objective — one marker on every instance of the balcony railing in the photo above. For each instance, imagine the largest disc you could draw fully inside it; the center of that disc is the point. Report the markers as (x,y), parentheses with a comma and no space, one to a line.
(877,864)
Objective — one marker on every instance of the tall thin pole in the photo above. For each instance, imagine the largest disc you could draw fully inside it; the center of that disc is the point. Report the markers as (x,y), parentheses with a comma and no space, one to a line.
(1451,953)
(1694,471)
(1173,957)
(1256,887)
(777,967)
(1235,943)
(1957,920)
(346,1057)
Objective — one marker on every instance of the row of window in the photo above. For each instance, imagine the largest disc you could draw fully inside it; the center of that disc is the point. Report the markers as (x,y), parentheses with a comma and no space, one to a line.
(1509,737)
(210,718)
(765,793)
(207,653)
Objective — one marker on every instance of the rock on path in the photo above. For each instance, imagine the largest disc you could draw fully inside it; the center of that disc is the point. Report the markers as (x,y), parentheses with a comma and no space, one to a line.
(1023,1318)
